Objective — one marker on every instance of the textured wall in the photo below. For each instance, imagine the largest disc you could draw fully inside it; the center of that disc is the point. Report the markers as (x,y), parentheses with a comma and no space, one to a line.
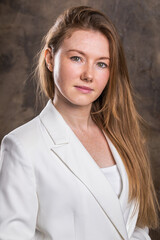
(23,24)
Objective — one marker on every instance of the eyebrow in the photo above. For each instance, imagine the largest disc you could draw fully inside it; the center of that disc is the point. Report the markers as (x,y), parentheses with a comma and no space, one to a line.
(75,50)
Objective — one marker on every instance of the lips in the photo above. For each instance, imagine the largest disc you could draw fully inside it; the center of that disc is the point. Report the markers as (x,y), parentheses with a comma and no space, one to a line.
(84,87)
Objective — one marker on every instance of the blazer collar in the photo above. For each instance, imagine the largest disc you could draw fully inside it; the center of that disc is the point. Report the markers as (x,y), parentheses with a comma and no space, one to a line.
(73,154)
(55,124)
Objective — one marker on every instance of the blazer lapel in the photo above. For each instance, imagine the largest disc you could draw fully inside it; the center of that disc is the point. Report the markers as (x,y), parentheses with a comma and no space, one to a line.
(76,158)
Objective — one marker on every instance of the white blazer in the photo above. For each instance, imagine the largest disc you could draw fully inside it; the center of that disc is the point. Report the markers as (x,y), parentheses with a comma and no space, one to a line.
(52,189)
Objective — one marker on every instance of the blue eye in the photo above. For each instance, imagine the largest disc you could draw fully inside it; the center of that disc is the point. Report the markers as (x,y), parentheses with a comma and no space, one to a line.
(75,58)
(102,65)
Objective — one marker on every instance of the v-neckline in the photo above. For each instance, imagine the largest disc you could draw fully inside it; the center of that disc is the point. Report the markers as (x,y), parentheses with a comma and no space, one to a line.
(103,133)
(71,152)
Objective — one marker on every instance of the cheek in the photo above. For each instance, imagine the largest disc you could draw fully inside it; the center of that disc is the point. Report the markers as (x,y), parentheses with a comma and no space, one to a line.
(65,73)
(104,79)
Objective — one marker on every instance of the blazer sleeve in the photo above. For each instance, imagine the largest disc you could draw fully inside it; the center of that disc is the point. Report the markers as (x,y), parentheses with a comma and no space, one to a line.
(140,234)
(18,198)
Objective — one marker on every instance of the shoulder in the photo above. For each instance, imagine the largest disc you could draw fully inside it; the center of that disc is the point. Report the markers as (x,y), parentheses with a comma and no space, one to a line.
(43,131)
(26,129)
(27,135)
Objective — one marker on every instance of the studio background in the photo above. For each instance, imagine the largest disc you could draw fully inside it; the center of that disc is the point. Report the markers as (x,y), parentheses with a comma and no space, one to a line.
(24,23)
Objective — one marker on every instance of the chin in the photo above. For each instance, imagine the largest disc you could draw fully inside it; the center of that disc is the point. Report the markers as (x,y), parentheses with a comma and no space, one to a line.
(81,103)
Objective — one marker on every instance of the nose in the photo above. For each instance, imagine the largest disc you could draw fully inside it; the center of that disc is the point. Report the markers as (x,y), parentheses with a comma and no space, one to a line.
(87,73)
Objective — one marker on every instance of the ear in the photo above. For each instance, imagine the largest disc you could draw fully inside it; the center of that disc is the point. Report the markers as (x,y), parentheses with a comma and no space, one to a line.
(49,59)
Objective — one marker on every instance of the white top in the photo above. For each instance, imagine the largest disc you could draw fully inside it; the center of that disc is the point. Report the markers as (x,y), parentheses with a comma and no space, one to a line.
(113,176)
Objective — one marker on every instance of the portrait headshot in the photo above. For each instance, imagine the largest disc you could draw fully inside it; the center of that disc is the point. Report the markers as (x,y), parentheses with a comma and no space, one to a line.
(80,120)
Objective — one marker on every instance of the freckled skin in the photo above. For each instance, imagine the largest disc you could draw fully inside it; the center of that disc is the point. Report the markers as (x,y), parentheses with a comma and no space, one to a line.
(71,68)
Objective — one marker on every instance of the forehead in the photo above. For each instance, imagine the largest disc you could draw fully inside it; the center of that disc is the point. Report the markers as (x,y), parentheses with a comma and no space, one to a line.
(87,40)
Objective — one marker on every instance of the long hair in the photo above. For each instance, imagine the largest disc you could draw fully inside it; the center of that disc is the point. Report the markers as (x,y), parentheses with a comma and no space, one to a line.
(114,110)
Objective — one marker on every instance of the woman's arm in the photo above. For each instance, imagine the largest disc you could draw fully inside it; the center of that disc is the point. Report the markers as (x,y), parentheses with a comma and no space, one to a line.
(18,199)
(140,234)
(135,232)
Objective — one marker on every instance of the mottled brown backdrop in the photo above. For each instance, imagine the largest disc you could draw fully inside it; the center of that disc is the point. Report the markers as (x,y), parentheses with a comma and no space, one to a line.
(22,26)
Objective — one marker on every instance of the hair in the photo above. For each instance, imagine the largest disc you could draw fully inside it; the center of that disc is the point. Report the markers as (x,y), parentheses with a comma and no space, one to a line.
(114,110)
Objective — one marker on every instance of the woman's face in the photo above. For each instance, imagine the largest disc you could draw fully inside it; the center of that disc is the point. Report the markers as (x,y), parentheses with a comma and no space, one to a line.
(81,68)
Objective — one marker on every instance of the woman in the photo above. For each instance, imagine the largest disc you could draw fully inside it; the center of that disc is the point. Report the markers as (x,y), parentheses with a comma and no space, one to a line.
(79,170)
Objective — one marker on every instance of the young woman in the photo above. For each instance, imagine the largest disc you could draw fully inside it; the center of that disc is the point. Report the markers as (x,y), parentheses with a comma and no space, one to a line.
(79,170)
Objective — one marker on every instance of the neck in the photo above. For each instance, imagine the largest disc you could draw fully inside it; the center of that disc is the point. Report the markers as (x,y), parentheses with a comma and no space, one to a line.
(77,117)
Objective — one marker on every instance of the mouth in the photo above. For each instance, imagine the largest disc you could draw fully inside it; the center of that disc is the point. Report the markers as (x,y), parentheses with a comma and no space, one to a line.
(84,89)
